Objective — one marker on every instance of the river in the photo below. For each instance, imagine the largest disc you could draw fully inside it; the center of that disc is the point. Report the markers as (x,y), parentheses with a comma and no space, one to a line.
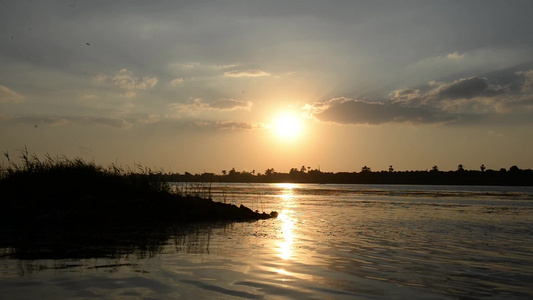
(328,242)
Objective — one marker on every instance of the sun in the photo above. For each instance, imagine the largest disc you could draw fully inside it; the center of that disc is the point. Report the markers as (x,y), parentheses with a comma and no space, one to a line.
(288,125)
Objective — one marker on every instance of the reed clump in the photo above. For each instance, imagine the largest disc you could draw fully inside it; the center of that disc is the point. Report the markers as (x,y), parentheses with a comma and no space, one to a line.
(61,191)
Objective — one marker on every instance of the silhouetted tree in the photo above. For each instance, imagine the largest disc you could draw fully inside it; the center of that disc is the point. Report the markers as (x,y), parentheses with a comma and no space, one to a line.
(365,169)
(460,168)
(482,168)
(269,172)
(391,169)
(224,172)
(435,169)
(514,169)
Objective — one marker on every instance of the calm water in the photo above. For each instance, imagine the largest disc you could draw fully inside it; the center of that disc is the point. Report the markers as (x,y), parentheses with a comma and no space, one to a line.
(329,242)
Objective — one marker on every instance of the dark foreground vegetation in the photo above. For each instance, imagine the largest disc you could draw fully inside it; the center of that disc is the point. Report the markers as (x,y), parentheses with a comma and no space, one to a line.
(71,200)
(79,193)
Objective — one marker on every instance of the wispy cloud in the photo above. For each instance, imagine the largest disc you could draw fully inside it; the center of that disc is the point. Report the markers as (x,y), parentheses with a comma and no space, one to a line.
(63,121)
(176,81)
(246,73)
(127,81)
(198,105)
(198,66)
(106,121)
(56,121)
(89,97)
(8,95)
(235,125)
(455,55)
(230,104)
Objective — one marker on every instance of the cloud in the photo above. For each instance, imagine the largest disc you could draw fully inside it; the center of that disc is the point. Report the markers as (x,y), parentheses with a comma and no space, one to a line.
(197,105)
(246,73)
(230,104)
(56,121)
(112,122)
(466,88)
(8,95)
(235,125)
(176,81)
(198,66)
(89,97)
(100,79)
(406,95)
(355,111)
(527,86)
(464,99)
(127,81)
(151,119)
(455,55)
(475,95)
(221,125)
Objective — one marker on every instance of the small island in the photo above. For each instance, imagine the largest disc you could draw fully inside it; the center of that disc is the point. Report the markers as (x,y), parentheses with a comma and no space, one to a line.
(75,192)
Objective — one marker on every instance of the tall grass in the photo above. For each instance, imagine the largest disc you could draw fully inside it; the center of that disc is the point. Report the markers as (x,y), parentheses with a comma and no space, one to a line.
(194,189)
(77,175)
(58,190)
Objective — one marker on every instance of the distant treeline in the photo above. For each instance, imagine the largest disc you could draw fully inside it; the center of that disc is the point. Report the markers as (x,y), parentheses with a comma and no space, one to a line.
(512,177)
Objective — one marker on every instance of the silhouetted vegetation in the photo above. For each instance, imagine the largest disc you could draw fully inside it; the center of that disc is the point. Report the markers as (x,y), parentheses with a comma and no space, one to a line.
(77,193)
(512,177)
(59,207)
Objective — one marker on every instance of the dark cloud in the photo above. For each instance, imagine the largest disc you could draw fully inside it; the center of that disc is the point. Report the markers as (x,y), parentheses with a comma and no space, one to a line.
(466,88)
(465,99)
(353,111)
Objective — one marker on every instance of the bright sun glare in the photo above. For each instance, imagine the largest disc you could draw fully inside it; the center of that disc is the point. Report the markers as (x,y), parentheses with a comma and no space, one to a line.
(288,125)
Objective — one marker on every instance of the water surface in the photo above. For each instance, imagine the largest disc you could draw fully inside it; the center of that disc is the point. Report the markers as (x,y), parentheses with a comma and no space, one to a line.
(329,242)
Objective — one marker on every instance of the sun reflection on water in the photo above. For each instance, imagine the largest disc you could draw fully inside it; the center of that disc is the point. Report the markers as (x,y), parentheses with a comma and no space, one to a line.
(288,221)
(287,231)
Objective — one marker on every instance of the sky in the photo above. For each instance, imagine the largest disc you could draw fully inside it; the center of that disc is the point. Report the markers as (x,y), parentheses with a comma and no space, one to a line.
(200,86)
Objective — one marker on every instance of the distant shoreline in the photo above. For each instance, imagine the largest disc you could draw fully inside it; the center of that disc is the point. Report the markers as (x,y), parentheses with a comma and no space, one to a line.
(513,177)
